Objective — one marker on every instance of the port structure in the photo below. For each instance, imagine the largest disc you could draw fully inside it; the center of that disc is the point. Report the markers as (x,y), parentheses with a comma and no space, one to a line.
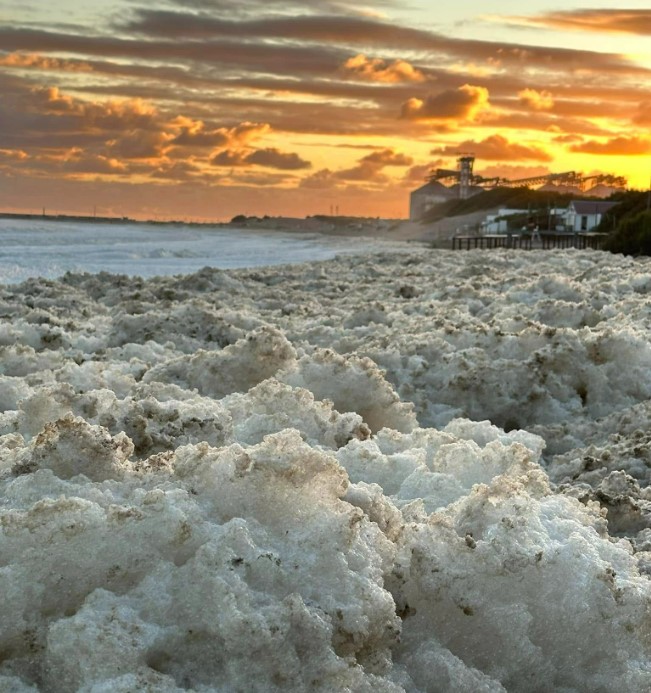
(467,179)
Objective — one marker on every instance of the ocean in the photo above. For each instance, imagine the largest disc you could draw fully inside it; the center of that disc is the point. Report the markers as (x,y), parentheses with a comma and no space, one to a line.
(32,248)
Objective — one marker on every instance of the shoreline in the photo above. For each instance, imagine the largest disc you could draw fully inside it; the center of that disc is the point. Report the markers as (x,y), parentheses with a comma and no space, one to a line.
(439,233)
(371,227)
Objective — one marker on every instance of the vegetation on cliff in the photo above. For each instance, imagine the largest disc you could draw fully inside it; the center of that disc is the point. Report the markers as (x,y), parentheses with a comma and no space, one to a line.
(628,223)
(513,198)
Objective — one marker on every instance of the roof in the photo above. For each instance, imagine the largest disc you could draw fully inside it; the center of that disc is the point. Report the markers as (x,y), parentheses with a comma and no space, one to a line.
(591,206)
(432,186)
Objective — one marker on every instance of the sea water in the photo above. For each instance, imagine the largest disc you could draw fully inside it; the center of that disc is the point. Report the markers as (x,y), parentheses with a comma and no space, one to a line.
(35,248)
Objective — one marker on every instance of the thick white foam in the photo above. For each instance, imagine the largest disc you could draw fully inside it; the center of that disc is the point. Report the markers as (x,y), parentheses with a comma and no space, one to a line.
(299,479)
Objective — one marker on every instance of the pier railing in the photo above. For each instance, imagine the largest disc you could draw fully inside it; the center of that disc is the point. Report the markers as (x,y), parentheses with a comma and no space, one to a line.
(544,241)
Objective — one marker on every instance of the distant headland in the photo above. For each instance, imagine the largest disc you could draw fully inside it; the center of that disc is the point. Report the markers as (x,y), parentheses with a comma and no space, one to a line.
(310,223)
(68,217)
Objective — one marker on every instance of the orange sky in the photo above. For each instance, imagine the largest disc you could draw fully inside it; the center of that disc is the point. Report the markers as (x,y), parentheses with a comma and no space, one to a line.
(203,109)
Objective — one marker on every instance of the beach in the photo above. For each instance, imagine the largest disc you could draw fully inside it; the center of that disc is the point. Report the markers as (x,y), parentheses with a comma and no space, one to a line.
(425,471)
(397,230)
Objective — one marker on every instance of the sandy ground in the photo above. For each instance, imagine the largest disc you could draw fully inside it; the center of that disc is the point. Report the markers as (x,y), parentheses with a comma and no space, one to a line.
(380,229)
(441,230)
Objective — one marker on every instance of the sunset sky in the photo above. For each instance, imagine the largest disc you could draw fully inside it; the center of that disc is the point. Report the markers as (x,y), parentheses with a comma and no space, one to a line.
(203,109)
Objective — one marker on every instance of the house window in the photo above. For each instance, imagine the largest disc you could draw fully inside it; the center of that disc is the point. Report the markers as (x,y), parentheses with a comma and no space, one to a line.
(584,222)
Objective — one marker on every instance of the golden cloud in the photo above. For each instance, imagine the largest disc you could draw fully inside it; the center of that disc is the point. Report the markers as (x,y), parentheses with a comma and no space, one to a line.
(195,133)
(365,171)
(51,100)
(324,179)
(81,162)
(513,172)
(40,62)
(229,158)
(537,100)
(369,167)
(177,171)
(269,158)
(13,154)
(140,144)
(421,172)
(629,21)
(274,158)
(643,115)
(232,62)
(464,103)
(497,148)
(568,139)
(247,132)
(118,114)
(617,146)
(387,157)
(112,114)
(378,70)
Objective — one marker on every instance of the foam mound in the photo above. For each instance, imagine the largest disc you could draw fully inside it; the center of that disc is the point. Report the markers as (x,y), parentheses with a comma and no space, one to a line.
(417,473)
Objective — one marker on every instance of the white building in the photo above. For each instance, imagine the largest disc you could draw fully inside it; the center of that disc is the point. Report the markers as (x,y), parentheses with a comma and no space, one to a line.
(584,215)
(498,223)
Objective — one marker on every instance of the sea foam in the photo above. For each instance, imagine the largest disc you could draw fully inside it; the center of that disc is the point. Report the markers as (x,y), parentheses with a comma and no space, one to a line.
(419,472)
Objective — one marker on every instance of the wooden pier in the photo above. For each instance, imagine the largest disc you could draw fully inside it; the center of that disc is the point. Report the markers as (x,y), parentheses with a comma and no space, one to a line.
(543,241)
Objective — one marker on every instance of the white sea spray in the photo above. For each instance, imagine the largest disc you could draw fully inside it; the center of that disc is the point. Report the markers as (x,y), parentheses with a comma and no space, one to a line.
(420,472)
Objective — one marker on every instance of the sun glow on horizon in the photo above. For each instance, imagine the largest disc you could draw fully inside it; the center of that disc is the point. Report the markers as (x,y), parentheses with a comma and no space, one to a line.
(281,110)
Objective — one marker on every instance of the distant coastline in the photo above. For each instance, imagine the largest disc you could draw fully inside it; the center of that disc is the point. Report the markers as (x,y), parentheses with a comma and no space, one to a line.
(375,228)
(96,219)
(69,217)
(339,225)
